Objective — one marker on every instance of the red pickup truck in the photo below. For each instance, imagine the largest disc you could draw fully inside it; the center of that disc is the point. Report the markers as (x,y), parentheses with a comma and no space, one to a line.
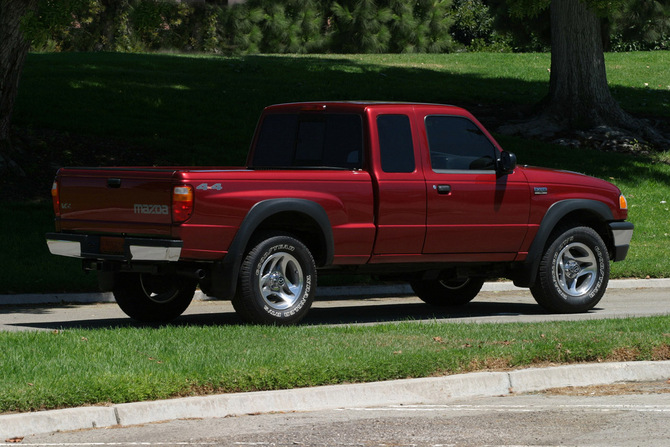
(414,192)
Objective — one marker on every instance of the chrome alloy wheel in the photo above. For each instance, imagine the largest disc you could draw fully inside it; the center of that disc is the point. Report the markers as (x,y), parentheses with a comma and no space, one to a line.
(281,280)
(576,269)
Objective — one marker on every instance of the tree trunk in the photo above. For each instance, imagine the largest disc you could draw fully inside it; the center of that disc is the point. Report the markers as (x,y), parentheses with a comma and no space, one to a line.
(13,50)
(578,90)
(579,97)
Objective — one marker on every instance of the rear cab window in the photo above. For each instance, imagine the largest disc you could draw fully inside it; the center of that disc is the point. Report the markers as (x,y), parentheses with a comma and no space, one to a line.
(309,140)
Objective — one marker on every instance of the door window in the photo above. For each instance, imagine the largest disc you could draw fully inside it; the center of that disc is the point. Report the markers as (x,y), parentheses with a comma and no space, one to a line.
(456,143)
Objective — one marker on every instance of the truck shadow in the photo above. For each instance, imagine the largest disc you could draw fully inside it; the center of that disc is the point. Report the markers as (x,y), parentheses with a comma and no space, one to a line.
(388,313)
(359,314)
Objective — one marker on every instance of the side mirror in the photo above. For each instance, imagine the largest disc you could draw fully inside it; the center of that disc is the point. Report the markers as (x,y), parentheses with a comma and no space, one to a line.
(506,163)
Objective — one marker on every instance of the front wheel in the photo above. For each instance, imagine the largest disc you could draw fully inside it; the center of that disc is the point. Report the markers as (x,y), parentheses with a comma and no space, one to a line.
(573,273)
(153,298)
(277,282)
(443,293)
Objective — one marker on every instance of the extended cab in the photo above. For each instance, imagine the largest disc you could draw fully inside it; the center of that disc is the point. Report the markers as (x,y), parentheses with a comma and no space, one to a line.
(414,192)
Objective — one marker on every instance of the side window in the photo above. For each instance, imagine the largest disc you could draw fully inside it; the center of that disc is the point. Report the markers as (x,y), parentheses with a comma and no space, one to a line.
(310,141)
(456,143)
(395,143)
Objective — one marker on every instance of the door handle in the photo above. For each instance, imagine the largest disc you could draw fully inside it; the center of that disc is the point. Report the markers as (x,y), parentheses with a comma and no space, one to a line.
(443,189)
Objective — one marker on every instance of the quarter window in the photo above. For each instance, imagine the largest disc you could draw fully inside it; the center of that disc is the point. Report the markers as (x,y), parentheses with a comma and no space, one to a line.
(395,143)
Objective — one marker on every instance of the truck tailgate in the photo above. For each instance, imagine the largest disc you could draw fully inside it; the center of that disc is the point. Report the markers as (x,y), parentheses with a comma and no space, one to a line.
(116,200)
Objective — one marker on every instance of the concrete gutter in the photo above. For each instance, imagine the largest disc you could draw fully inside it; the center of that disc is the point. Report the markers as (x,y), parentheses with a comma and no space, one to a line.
(322,292)
(434,390)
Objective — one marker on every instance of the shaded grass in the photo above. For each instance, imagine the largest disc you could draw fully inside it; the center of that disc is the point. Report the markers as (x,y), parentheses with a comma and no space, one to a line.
(57,369)
(203,109)
(26,266)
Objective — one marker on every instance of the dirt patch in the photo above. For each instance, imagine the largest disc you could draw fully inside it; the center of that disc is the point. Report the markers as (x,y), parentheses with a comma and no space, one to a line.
(617,389)
(661,352)
(489,364)
(624,355)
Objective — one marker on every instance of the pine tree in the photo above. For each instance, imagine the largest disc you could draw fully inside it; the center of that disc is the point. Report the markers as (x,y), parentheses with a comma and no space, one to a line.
(361,27)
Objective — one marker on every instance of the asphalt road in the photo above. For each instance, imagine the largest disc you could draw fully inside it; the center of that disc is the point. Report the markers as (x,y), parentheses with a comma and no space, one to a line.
(508,305)
(617,415)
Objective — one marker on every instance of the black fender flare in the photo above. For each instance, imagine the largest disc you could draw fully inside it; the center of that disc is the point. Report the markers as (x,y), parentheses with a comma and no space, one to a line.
(225,273)
(554,215)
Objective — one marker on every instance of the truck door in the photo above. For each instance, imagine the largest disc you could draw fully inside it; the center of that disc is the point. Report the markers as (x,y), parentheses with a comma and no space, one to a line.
(470,207)
(400,186)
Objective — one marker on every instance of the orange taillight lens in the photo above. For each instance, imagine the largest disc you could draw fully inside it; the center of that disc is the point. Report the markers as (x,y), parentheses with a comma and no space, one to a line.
(182,203)
(55,197)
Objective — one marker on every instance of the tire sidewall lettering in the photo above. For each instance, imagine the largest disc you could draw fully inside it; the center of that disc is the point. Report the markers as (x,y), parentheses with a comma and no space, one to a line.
(601,271)
(270,251)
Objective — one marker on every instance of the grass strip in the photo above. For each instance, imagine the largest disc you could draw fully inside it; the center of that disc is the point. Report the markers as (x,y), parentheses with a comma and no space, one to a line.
(45,370)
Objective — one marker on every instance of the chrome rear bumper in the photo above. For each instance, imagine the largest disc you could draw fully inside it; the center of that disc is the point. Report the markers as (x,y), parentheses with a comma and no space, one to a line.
(87,246)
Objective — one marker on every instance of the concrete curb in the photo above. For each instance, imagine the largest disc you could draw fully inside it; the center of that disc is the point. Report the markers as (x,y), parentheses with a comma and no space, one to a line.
(434,390)
(322,293)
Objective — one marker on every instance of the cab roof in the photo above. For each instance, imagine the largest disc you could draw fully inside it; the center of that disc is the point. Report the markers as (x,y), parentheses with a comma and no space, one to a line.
(359,106)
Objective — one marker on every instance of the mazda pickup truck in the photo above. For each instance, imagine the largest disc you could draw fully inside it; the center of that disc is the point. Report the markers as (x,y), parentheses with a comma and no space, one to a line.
(420,193)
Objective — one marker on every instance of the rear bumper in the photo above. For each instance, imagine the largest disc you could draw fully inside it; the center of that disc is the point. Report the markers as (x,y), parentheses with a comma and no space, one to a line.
(622,233)
(88,246)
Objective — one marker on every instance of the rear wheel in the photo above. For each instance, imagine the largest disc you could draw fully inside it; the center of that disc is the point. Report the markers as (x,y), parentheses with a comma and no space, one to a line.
(153,298)
(573,272)
(277,282)
(443,293)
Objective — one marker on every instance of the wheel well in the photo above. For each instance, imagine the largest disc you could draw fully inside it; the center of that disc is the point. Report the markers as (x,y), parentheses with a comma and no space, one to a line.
(583,218)
(580,215)
(299,225)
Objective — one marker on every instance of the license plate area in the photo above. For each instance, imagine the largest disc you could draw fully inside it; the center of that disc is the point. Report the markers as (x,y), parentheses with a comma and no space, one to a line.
(112,245)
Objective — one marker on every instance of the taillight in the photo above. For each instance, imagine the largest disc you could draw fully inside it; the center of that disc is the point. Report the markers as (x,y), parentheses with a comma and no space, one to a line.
(55,197)
(182,203)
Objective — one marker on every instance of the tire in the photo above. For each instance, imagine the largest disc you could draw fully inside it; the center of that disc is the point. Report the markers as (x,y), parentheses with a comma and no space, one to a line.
(445,293)
(277,282)
(573,272)
(153,298)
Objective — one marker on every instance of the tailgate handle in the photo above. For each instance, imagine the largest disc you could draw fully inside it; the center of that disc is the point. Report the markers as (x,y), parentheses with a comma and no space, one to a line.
(114,182)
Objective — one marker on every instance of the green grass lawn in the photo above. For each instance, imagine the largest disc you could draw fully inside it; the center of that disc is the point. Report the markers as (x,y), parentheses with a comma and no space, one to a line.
(202,110)
(43,370)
